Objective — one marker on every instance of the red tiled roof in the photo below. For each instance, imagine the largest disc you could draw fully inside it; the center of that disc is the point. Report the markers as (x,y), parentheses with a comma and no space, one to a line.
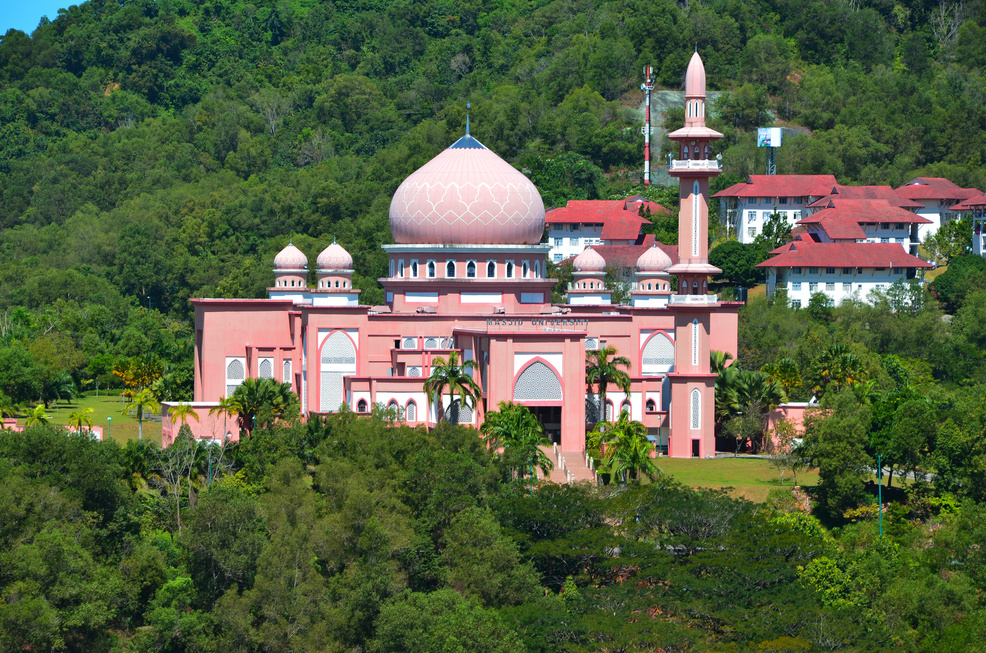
(781,186)
(976,202)
(864,211)
(866,193)
(935,188)
(843,255)
(618,223)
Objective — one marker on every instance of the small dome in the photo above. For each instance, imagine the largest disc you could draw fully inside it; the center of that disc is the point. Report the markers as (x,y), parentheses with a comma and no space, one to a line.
(290,258)
(467,195)
(589,261)
(334,257)
(653,260)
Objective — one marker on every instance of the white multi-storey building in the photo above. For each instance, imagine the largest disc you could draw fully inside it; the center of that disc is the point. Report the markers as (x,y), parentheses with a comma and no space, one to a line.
(938,198)
(838,270)
(976,207)
(745,207)
(584,223)
(864,221)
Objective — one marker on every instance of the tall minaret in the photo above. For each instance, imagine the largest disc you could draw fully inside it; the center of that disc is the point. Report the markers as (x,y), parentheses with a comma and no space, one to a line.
(692,382)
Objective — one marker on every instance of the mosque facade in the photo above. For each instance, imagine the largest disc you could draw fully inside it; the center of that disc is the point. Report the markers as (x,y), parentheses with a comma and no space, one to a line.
(467,274)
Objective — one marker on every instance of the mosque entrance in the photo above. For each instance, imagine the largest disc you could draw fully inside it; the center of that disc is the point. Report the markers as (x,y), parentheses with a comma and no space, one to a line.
(550,418)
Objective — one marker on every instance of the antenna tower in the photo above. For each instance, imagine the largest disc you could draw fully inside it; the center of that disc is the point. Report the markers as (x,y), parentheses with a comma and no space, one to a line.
(647,87)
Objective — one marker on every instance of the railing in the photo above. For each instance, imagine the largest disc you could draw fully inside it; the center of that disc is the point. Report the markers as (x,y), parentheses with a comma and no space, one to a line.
(693,299)
(696,164)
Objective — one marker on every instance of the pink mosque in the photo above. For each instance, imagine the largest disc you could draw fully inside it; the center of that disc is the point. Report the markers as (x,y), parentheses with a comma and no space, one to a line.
(467,273)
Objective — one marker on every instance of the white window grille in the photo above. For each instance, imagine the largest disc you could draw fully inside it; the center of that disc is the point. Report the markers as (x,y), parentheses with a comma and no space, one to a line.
(796,286)
(431,343)
(338,360)
(537,382)
(235,373)
(694,342)
(409,343)
(591,344)
(625,408)
(696,409)
(609,411)
(411,413)
(414,370)
(651,406)
(658,356)
(266,369)
(450,269)
(361,406)
(458,413)
(287,371)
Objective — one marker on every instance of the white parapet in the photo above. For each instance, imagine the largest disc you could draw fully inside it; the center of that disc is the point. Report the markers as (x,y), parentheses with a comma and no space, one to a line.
(694,299)
(695,164)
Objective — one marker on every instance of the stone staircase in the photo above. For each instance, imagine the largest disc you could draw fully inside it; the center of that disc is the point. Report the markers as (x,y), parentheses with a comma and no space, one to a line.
(570,466)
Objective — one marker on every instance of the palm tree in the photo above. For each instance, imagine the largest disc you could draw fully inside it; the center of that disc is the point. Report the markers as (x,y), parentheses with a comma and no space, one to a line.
(143,402)
(837,365)
(453,376)
(601,370)
(261,402)
(745,398)
(7,406)
(515,428)
(38,416)
(718,361)
(226,406)
(181,413)
(78,419)
(628,450)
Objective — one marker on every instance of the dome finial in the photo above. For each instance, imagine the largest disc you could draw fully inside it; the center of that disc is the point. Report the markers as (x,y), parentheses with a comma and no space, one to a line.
(468,106)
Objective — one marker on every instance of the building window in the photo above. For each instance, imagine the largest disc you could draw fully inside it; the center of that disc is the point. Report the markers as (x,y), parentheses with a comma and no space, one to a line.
(751,216)
(557,258)
(361,406)
(751,232)
(559,242)
(471,269)
(884,240)
(392,405)
(400,268)
(625,408)
(829,286)
(431,269)
(899,225)
(287,372)
(696,409)
(651,406)
(537,269)
(796,215)
(491,269)
(411,412)
(847,287)
(573,241)
(575,227)
(898,270)
(812,270)
(812,287)
(414,269)
(450,270)
(766,215)
(846,270)
(609,410)
(510,269)
(796,286)
(795,304)
(829,270)
(525,269)
(782,200)
(795,270)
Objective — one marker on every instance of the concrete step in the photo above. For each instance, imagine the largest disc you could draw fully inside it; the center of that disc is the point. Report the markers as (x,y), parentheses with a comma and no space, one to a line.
(570,466)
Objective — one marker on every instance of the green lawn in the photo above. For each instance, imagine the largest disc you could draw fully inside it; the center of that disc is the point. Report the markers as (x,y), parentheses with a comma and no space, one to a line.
(124,426)
(751,478)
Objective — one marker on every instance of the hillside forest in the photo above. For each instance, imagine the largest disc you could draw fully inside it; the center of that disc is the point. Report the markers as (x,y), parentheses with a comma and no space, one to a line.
(152,152)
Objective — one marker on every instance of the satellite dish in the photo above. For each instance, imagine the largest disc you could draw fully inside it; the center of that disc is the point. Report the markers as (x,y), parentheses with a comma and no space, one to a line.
(719,157)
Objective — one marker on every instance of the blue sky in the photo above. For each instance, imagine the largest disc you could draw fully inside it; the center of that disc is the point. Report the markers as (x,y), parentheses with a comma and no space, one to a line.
(25,14)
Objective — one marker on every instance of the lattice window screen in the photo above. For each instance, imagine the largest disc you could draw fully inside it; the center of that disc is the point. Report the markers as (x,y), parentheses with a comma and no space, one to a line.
(412,411)
(392,405)
(410,343)
(414,370)
(332,392)
(696,409)
(625,407)
(538,383)
(658,355)
(609,411)
(591,344)
(266,369)
(338,350)
(431,343)
(234,371)
(287,371)
(591,409)
(446,343)
(458,413)
(230,389)
(694,342)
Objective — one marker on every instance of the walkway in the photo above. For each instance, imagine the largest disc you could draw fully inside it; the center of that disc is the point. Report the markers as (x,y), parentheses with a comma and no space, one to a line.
(570,466)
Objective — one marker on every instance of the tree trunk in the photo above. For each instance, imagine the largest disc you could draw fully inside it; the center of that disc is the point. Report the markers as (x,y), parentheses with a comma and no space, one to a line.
(890,477)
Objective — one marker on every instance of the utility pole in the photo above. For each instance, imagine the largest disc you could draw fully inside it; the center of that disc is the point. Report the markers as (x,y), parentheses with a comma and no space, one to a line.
(647,87)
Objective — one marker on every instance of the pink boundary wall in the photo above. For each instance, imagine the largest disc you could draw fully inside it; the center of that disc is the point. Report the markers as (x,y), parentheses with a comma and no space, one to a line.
(793,412)
(208,427)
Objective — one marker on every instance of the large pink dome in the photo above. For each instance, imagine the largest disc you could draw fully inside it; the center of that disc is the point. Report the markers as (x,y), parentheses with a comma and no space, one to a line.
(653,260)
(334,257)
(290,258)
(467,196)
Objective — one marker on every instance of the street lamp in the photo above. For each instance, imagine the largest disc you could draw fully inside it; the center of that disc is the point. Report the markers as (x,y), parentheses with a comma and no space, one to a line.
(109,427)
(148,302)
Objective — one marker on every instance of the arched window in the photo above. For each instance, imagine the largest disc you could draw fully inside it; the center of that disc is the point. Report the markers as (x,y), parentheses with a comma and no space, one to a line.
(625,407)
(651,406)
(609,411)
(266,369)
(525,269)
(510,269)
(338,360)
(491,269)
(400,268)
(685,153)
(431,269)
(471,269)
(337,283)
(458,413)
(392,405)
(537,382)
(696,409)
(414,269)
(648,287)
(658,355)
(411,412)
(708,152)
(450,270)
(361,406)
(234,371)
(287,372)
(537,269)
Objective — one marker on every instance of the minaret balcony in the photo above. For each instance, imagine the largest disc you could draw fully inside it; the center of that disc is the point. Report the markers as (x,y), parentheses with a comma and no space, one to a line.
(696,164)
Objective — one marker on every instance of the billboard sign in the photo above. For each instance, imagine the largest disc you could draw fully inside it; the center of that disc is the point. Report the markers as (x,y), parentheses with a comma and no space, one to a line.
(769,137)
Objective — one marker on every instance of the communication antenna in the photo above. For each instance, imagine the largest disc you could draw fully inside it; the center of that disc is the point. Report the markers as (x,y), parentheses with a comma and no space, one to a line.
(770,138)
(647,87)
